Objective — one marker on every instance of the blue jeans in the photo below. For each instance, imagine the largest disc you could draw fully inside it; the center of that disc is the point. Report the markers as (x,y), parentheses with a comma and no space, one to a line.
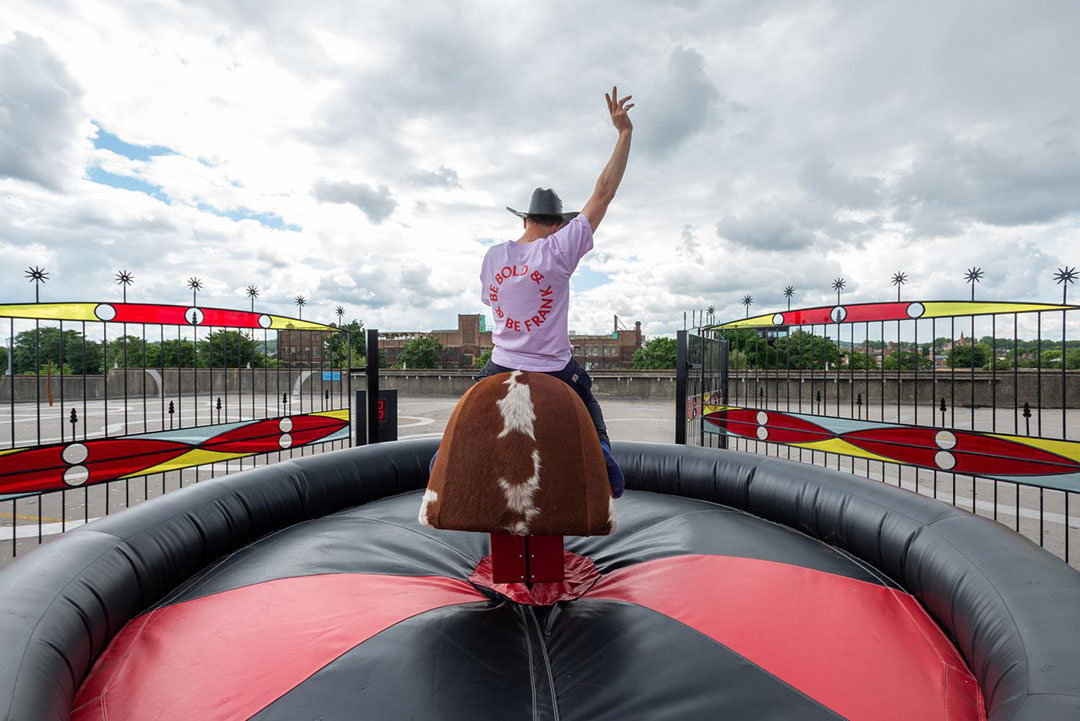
(574,376)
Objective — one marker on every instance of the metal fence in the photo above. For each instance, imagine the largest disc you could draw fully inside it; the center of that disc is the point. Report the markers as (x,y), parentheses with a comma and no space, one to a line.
(973,403)
(108,404)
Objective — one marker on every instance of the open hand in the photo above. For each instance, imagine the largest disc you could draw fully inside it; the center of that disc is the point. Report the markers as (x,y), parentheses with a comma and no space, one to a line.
(618,109)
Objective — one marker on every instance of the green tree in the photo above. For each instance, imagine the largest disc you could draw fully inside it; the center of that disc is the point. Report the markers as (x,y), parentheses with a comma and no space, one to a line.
(656,353)
(337,351)
(860,361)
(116,351)
(961,356)
(52,368)
(227,348)
(907,360)
(3,359)
(46,344)
(752,348)
(421,352)
(800,350)
(1072,359)
(737,360)
(482,359)
(1051,359)
(171,354)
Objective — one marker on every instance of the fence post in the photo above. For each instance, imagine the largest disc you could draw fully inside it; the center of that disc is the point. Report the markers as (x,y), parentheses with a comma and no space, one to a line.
(371,371)
(724,358)
(682,368)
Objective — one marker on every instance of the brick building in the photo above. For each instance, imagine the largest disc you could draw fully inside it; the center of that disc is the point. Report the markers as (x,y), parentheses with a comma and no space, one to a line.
(604,352)
(463,345)
(301,348)
(460,346)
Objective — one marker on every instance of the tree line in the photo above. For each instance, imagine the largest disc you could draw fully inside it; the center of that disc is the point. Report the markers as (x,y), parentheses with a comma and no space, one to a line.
(801,350)
(425,352)
(47,350)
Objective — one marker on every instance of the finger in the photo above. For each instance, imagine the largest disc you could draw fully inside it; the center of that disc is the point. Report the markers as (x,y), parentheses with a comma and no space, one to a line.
(628,106)
(625,99)
(614,92)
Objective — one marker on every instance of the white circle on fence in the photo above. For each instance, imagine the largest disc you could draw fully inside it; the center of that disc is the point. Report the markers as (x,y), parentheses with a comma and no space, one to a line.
(778,319)
(285,441)
(945,440)
(762,417)
(945,460)
(76,475)
(264,321)
(194,316)
(75,453)
(285,424)
(838,314)
(915,310)
(763,433)
(104,311)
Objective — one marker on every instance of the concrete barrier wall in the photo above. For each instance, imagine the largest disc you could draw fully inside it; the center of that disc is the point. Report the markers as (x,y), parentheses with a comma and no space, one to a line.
(606,384)
(174,382)
(955,388)
(958,389)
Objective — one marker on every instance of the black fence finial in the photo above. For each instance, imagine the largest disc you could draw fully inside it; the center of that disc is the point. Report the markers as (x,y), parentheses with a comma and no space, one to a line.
(37,276)
(898,279)
(196,285)
(973,276)
(124,278)
(1063,277)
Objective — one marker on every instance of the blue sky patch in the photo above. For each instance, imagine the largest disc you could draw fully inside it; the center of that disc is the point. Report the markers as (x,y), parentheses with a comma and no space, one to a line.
(126,182)
(586,279)
(107,141)
(270,220)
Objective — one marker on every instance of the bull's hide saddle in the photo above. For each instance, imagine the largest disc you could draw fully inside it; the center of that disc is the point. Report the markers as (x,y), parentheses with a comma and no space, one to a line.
(520,456)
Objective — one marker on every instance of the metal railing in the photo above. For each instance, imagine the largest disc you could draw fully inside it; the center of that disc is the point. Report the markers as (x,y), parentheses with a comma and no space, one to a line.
(106,405)
(976,404)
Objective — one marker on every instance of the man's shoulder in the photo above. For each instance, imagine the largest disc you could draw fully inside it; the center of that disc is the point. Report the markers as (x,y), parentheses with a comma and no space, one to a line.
(578,226)
(496,249)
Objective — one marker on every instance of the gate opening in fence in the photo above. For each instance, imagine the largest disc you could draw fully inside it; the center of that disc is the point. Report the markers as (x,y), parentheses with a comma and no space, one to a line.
(973,403)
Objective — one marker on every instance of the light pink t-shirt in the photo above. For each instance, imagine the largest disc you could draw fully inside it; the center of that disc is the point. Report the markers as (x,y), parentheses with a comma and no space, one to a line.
(527,286)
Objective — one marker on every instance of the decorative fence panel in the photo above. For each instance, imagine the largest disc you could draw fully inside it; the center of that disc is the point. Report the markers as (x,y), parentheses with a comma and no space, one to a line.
(974,403)
(108,404)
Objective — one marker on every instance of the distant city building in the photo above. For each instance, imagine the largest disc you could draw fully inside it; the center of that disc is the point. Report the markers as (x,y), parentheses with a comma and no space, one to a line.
(606,352)
(463,345)
(301,348)
(460,347)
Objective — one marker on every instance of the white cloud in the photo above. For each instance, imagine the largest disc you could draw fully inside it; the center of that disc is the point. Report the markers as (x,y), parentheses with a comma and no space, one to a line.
(42,133)
(776,143)
(377,203)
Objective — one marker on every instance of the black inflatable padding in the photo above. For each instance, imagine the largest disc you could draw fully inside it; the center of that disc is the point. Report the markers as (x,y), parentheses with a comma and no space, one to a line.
(1011,608)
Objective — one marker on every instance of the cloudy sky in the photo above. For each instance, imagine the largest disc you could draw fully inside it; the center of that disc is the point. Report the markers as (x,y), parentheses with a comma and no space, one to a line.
(362,153)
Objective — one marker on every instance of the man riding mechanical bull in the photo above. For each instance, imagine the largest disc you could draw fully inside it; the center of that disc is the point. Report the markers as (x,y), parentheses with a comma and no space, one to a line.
(526,282)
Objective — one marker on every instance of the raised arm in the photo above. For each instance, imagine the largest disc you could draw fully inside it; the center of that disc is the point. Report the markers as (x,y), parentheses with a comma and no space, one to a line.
(609,179)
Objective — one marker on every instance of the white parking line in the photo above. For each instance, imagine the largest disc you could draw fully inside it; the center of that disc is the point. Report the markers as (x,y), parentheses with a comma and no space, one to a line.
(47,529)
(420,421)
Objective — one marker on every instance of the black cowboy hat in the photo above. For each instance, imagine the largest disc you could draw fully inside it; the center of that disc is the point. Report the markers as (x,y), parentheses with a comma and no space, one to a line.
(545,201)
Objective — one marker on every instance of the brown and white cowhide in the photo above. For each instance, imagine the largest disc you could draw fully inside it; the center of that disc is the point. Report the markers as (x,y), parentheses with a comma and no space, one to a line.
(520,455)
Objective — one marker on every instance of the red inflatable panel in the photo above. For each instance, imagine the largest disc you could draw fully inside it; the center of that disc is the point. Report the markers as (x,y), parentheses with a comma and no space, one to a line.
(226,656)
(868,652)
